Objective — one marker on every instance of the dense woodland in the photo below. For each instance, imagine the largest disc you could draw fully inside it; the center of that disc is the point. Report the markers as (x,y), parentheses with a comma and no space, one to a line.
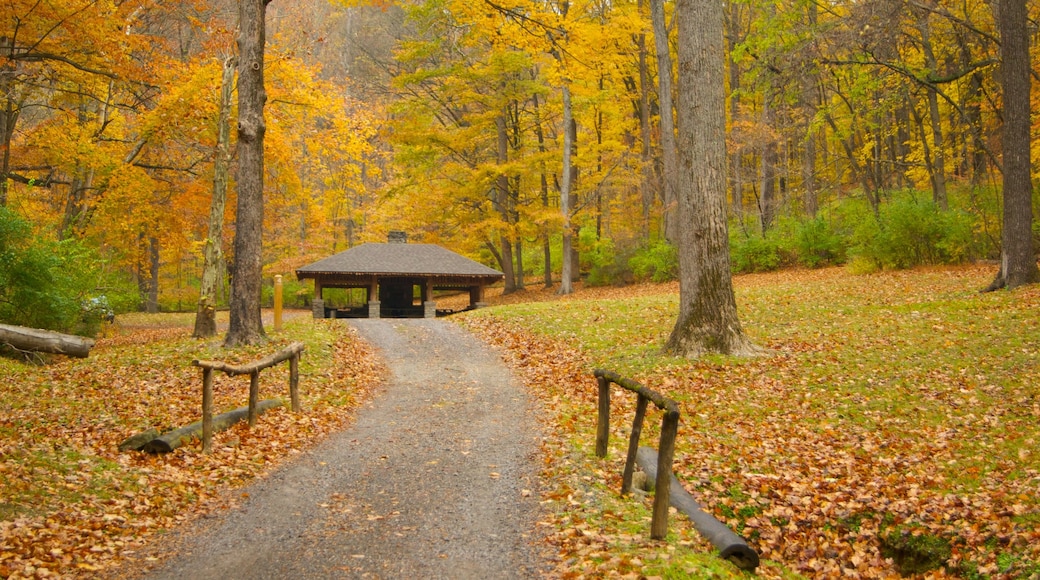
(867,133)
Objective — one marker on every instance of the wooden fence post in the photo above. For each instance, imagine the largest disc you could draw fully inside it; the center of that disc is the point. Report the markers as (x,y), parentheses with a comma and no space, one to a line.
(669,428)
(294,383)
(207,409)
(254,395)
(603,422)
(633,444)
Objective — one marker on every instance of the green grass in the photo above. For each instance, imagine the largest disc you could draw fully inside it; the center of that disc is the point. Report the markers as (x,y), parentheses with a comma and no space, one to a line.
(873,388)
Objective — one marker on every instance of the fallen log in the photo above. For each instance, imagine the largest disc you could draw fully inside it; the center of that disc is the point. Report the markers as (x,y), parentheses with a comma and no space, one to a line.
(136,442)
(731,546)
(178,437)
(37,340)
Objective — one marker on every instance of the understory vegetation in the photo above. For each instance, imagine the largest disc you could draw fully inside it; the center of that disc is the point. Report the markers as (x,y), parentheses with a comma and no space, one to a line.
(890,425)
(906,231)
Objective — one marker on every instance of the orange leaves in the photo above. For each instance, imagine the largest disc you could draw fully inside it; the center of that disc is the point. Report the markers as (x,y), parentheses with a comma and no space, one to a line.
(887,407)
(74,506)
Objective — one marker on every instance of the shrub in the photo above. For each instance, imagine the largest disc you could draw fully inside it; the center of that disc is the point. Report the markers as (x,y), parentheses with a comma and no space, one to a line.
(753,253)
(907,233)
(54,285)
(656,261)
(817,244)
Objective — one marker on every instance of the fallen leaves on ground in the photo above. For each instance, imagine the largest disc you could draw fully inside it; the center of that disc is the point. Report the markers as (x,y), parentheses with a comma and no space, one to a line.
(891,409)
(72,505)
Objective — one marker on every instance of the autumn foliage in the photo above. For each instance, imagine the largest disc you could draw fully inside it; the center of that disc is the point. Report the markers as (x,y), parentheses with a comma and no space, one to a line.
(894,415)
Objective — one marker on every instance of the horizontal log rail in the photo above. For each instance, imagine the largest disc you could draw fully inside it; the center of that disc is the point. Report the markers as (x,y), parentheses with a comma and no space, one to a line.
(291,353)
(669,428)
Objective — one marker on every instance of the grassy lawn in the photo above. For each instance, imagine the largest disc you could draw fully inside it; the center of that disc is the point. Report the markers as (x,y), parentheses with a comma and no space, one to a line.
(890,408)
(891,414)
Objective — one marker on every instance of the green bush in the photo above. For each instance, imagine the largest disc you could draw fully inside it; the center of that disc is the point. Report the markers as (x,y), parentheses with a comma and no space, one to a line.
(54,285)
(817,244)
(657,261)
(753,253)
(908,232)
(605,266)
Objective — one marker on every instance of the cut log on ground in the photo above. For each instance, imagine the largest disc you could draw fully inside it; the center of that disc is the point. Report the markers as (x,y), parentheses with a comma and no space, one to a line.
(136,442)
(37,340)
(731,546)
(178,437)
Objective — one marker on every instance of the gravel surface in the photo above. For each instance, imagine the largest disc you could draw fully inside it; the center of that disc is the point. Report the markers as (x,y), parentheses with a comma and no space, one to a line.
(436,479)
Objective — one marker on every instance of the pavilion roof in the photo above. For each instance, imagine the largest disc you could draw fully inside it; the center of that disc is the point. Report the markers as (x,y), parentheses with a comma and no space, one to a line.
(400,259)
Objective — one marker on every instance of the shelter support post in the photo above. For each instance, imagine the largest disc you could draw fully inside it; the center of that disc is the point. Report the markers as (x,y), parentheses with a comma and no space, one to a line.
(373,298)
(476,296)
(429,305)
(318,304)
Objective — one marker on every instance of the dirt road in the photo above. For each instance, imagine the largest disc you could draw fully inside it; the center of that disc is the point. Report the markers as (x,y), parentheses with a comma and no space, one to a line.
(437,479)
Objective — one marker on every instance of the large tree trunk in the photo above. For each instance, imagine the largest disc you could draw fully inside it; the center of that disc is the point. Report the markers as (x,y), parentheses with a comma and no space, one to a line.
(205,319)
(246,326)
(1017,256)
(36,340)
(707,319)
(664,97)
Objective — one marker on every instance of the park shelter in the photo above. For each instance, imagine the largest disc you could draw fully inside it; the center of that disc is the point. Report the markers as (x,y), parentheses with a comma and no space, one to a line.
(391,273)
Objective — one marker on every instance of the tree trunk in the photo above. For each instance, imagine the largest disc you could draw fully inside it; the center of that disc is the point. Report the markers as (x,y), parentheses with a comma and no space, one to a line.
(1017,255)
(566,284)
(546,242)
(707,319)
(768,161)
(205,319)
(645,158)
(501,204)
(36,340)
(246,326)
(938,170)
(664,97)
(152,300)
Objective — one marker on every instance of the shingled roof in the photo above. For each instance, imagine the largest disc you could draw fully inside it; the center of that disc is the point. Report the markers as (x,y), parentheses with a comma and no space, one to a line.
(398,259)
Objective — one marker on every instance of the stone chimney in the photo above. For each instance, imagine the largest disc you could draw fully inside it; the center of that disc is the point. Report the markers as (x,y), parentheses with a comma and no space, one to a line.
(397,237)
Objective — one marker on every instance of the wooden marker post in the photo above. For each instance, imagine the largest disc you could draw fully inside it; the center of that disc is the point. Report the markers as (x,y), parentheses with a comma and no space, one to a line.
(277,302)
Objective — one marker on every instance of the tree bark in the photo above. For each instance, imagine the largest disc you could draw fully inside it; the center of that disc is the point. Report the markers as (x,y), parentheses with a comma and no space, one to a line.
(664,97)
(566,282)
(768,161)
(938,169)
(246,326)
(501,203)
(205,319)
(645,157)
(36,340)
(707,320)
(1017,255)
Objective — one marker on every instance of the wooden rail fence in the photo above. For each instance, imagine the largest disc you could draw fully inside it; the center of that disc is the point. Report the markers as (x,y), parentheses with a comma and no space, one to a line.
(290,353)
(667,488)
(666,447)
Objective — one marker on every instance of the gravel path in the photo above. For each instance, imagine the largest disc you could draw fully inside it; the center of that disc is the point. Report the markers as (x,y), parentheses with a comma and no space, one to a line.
(437,479)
